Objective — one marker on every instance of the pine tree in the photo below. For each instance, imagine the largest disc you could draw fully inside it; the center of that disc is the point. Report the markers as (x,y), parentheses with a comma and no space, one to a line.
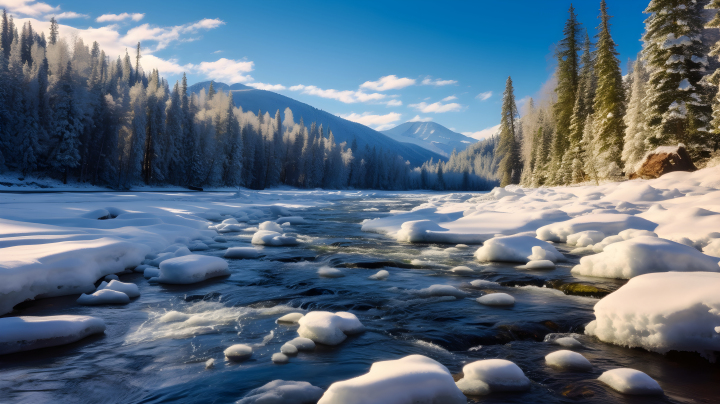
(53,31)
(572,161)
(508,148)
(636,134)
(677,100)
(714,79)
(234,164)
(6,36)
(67,126)
(211,91)
(174,128)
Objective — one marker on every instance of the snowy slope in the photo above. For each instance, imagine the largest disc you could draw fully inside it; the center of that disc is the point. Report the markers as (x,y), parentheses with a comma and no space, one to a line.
(431,136)
(254,100)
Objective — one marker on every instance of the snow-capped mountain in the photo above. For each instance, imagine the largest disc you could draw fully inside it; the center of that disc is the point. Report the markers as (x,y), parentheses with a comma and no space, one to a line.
(251,99)
(431,136)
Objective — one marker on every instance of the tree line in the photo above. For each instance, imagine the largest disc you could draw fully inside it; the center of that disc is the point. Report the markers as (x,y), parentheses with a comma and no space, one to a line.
(594,124)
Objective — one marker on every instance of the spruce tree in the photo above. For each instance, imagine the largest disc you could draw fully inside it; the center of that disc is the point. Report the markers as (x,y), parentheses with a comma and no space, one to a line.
(583,106)
(636,134)
(714,79)
(508,147)
(211,91)
(53,31)
(67,125)
(6,36)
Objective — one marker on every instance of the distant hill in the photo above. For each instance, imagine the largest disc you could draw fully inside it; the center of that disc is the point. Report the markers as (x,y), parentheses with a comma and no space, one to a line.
(431,136)
(251,99)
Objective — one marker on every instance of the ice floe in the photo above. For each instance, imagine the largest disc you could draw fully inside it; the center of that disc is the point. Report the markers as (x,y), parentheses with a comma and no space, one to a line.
(103,296)
(26,333)
(329,328)
(272,238)
(630,381)
(568,360)
(496,299)
(238,352)
(192,269)
(492,375)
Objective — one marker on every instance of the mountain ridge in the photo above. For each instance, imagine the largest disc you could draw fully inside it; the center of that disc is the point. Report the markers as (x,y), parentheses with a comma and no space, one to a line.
(431,136)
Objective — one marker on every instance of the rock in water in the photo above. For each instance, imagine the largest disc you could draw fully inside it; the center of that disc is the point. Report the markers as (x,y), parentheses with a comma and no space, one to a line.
(663,160)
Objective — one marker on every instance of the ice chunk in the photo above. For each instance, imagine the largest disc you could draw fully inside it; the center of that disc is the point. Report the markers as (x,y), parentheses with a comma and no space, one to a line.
(290,318)
(607,223)
(641,255)
(462,269)
(481,283)
(198,246)
(289,349)
(241,252)
(283,392)
(472,387)
(328,328)
(151,272)
(192,269)
(238,352)
(441,290)
(540,264)
(104,296)
(567,342)
(270,226)
(328,272)
(111,277)
(25,333)
(496,299)
(210,363)
(280,358)
(498,374)
(585,238)
(129,289)
(412,379)
(265,237)
(381,275)
(630,381)
(293,220)
(302,344)
(568,360)
(662,312)
(516,249)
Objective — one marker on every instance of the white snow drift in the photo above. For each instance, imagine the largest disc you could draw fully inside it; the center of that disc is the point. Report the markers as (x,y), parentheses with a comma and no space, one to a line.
(518,248)
(630,381)
(492,375)
(328,328)
(192,269)
(25,333)
(568,360)
(272,238)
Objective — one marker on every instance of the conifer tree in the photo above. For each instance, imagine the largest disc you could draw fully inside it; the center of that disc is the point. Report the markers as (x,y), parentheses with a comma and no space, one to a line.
(636,134)
(67,126)
(508,148)
(53,31)
(211,91)
(714,79)
(6,36)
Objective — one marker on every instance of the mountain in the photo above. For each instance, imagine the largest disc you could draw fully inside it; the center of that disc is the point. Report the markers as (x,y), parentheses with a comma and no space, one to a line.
(251,99)
(431,136)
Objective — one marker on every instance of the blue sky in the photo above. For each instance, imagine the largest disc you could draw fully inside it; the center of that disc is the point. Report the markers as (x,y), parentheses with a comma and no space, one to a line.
(442,61)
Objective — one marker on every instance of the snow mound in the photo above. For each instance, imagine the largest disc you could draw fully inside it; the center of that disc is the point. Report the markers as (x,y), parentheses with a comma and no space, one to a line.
(279,358)
(288,349)
(539,264)
(238,352)
(662,312)
(585,238)
(641,255)
(606,223)
(129,289)
(210,363)
(302,344)
(481,283)
(496,299)
(630,381)
(290,318)
(328,328)
(441,290)
(26,333)
(283,392)
(293,220)
(241,252)
(381,275)
(272,238)
(192,269)
(498,374)
(103,296)
(151,272)
(328,272)
(462,269)
(418,231)
(111,277)
(270,226)
(563,340)
(412,379)
(517,248)
(712,248)
(568,360)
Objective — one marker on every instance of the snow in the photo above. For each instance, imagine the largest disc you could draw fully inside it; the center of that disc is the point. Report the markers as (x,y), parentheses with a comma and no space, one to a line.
(462,269)
(518,248)
(539,264)
(112,277)
(302,344)
(270,226)
(129,289)
(607,223)
(279,358)
(293,220)
(272,238)
(328,272)
(481,283)
(103,296)
(585,238)
(328,328)
(151,272)
(497,374)
(564,341)
(290,318)
(241,252)
(661,312)
(381,275)
(441,290)
(238,352)
(283,392)
(210,363)
(412,379)
(568,360)
(641,255)
(27,333)
(192,269)
(289,349)
(496,299)
(630,381)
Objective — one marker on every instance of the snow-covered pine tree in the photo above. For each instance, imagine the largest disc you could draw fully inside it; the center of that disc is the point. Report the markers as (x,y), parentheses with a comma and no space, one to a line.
(53,31)
(67,125)
(678,107)
(233,162)
(583,106)
(589,146)
(508,147)
(174,120)
(636,134)
(714,79)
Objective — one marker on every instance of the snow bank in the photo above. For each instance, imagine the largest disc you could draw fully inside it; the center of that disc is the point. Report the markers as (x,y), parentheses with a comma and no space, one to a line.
(496,299)
(238,352)
(497,374)
(441,290)
(462,269)
(283,392)
(641,255)
(568,360)
(25,333)
(630,381)
(103,296)
(129,289)
(517,248)
(606,223)
(662,312)
(192,269)
(328,328)
(585,238)
(412,379)
(539,264)
(481,283)
(241,252)
(270,226)
(290,318)
(272,238)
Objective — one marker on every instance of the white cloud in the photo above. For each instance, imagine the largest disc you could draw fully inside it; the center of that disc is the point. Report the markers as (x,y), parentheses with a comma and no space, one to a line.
(67,15)
(419,118)
(218,51)
(484,96)
(346,96)
(394,103)
(231,71)
(268,87)
(377,122)
(436,107)
(164,36)
(483,134)
(428,81)
(28,7)
(449,98)
(385,83)
(120,17)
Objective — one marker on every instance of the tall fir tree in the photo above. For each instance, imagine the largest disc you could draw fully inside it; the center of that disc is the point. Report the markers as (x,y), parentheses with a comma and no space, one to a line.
(636,133)
(54,31)
(714,80)
(508,147)
(67,125)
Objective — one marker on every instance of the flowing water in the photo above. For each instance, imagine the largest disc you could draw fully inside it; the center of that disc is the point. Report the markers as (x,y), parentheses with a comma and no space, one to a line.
(142,358)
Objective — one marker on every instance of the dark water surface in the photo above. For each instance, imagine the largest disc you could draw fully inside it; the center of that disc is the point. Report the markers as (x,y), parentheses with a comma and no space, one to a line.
(143,360)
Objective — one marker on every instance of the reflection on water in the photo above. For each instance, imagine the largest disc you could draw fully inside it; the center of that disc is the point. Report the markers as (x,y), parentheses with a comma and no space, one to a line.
(156,347)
